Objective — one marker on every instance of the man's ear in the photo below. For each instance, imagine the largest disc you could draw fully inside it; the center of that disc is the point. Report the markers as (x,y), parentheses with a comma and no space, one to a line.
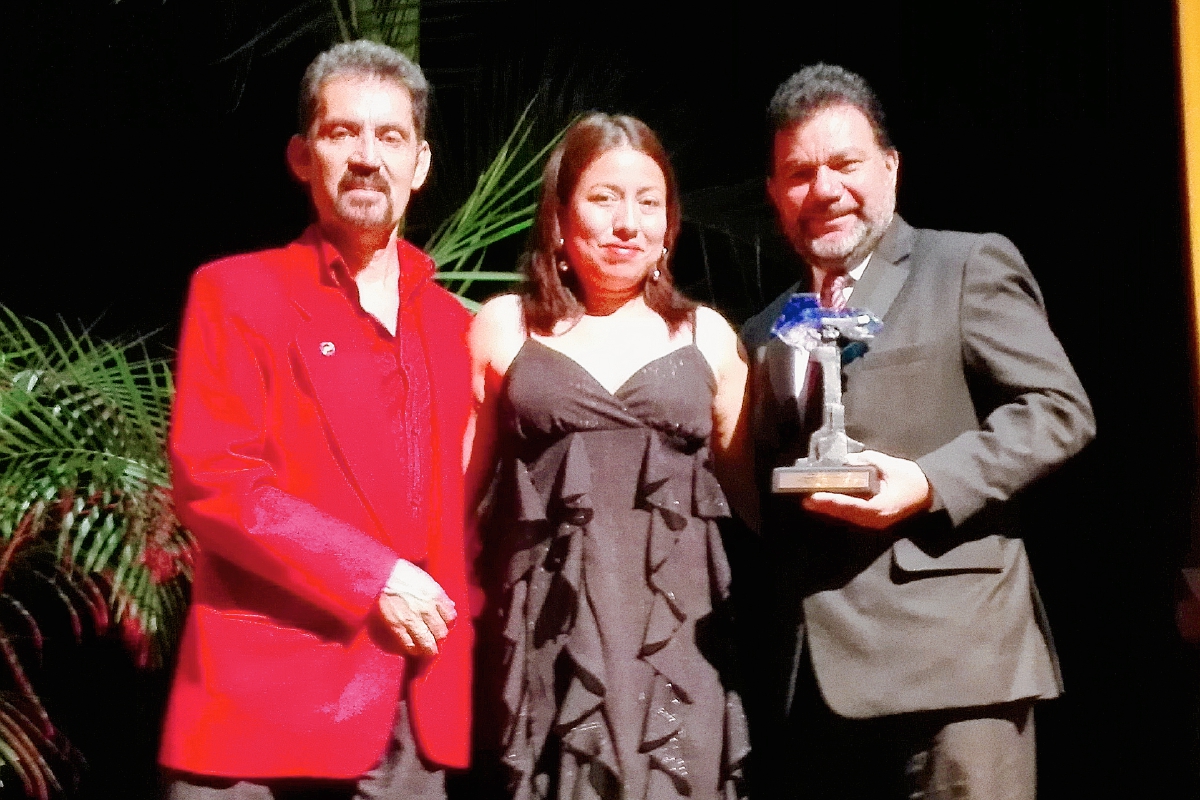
(299,160)
(424,156)
(892,159)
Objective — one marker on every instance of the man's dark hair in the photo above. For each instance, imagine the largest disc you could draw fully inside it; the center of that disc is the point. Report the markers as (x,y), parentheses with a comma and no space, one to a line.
(816,88)
(369,60)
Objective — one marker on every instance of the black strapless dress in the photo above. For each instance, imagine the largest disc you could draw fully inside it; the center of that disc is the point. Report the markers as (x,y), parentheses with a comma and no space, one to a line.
(615,585)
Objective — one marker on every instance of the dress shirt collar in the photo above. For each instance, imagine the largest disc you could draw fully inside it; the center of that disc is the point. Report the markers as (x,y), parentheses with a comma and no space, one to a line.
(416,268)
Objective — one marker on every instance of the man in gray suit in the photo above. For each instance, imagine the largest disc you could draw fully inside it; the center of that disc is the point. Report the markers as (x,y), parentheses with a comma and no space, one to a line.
(913,641)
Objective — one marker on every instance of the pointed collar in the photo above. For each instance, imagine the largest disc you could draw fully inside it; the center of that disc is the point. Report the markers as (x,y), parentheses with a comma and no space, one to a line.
(416,268)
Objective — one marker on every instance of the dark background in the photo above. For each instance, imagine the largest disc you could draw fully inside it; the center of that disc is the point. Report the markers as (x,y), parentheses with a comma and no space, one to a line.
(143,142)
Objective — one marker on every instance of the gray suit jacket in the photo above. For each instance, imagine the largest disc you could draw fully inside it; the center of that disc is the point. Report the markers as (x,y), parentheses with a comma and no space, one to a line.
(968,380)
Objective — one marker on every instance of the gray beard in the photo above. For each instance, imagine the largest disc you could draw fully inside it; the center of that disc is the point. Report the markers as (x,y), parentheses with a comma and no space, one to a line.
(844,255)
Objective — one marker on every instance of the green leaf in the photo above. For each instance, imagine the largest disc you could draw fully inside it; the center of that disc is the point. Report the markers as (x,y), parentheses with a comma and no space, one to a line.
(479,276)
(501,205)
(87,419)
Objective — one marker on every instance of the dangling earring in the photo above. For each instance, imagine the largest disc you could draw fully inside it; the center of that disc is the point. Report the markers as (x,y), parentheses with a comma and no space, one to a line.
(654,276)
(563,266)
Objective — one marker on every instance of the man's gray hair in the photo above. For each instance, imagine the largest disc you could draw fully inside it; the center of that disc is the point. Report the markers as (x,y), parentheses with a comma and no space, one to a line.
(368,59)
(818,87)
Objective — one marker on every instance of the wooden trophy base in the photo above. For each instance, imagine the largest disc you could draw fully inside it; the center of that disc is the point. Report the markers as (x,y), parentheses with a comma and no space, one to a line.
(856,479)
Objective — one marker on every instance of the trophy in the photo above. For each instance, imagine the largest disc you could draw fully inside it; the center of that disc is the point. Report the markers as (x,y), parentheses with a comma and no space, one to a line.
(833,337)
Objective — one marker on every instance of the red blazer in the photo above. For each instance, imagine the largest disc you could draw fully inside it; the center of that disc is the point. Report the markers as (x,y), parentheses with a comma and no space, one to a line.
(282,471)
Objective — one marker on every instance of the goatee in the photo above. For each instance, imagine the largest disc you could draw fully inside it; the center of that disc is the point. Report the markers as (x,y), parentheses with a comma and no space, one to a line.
(368,214)
(845,253)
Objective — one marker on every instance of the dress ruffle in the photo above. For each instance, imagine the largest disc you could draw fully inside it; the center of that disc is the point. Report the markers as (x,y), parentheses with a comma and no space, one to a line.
(549,615)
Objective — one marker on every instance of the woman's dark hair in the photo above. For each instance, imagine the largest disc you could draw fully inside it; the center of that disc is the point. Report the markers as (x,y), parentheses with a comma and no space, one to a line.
(550,295)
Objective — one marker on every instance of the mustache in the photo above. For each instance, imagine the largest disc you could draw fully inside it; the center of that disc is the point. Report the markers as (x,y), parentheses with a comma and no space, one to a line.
(373,180)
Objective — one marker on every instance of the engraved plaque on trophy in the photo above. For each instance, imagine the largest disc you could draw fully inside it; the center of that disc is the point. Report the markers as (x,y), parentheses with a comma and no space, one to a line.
(832,337)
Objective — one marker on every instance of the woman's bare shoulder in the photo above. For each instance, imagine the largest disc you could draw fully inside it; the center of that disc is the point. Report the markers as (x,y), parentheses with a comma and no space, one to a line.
(713,330)
(499,314)
(717,340)
(500,307)
(498,331)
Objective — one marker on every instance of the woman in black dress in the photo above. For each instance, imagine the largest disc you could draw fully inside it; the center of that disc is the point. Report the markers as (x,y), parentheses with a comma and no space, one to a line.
(612,403)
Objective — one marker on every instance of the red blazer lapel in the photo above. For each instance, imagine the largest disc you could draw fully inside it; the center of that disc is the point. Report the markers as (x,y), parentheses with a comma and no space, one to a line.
(442,324)
(436,705)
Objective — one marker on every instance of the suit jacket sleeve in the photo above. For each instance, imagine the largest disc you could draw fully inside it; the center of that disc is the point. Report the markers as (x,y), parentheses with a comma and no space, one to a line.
(227,487)
(1033,410)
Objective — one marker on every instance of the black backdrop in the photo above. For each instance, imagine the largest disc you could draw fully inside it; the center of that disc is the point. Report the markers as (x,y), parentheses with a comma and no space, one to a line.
(140,147)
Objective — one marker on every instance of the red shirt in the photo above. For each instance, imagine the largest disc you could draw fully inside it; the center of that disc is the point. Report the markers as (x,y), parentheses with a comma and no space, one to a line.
(401,377)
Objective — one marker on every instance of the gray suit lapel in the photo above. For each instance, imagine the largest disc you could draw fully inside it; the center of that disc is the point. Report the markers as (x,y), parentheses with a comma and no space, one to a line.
(887,271)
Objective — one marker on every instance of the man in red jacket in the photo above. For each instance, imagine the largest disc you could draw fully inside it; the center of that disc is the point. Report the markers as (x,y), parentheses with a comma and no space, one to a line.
(317,435)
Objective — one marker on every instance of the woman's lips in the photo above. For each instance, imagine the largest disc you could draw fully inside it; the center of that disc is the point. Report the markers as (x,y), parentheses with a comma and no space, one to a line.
(622,251)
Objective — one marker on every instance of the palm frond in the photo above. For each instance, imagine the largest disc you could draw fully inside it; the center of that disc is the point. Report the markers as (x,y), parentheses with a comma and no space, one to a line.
(85,514)
(37,758)
(82,431)
(286,28)
(393,22)
(502,204)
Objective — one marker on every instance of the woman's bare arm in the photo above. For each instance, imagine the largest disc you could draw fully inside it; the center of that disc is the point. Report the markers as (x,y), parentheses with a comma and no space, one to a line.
(731,442)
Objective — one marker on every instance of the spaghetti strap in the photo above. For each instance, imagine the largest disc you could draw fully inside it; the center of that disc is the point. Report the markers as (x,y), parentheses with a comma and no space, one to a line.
(695,317)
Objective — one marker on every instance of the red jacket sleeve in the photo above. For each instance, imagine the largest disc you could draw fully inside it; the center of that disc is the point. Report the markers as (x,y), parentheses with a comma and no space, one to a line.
(228,451)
